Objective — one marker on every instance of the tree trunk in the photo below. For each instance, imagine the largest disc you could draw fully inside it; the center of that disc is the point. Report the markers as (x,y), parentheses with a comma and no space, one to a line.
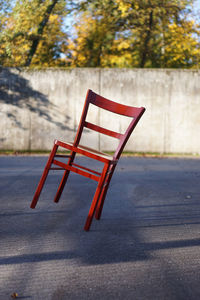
(146,41)
(40,30)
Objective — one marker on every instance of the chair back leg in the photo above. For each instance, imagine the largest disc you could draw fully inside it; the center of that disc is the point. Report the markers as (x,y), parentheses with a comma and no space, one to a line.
(43,177)
(100,204)
(103,194)
(61,186)
(64,179)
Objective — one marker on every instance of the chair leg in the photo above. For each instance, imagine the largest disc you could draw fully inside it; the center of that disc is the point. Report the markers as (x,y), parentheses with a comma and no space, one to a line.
(61,186)
(103,195)
(43,177)
(96,198)
(101,203)
(64,179)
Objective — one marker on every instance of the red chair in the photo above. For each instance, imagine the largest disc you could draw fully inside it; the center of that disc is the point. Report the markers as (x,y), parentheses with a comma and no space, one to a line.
(110,162)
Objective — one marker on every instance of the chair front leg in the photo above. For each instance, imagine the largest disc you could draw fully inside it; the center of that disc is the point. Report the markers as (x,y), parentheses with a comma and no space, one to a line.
(43,177)
(96,197)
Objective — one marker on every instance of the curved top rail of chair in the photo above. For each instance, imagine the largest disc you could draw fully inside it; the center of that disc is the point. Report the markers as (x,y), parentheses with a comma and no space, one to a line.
(112,106)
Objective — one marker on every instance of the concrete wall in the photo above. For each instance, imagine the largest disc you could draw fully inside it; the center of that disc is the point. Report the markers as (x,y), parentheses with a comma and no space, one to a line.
(38,106)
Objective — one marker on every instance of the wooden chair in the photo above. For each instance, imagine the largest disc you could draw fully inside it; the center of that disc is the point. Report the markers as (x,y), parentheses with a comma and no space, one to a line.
(109,162)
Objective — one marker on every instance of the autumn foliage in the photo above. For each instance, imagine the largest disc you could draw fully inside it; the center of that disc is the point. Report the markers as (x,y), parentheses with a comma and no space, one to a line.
(106,33)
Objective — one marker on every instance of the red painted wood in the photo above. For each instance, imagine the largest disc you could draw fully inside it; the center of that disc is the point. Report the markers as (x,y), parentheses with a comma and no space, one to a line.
(114,107)
(96,198)
(104,192)
(61,186)
(92,153)
(44,176)
(87,169)
(127,134)
(110,162)
(76,170)
(103,130)
(83,117)
(64,178)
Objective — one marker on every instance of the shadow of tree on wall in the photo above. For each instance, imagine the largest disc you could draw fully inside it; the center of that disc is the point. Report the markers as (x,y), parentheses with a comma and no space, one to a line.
(16,91)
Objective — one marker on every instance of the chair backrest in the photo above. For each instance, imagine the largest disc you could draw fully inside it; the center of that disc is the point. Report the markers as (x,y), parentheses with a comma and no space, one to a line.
(133,112)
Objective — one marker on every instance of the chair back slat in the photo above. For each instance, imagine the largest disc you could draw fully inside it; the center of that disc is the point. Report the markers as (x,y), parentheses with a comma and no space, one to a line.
(103,130)
(114,107)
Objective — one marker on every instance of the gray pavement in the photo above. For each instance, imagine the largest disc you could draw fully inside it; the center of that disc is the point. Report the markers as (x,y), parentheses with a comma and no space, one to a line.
(146,246)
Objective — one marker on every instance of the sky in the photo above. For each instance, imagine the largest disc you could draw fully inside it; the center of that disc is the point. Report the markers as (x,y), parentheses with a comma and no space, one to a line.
(197,9)
(197,4)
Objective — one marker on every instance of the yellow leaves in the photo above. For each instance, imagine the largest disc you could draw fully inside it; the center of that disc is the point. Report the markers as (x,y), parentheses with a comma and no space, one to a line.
(120,57)
(139,30)
(123,45)
(185,27)
(22,29)
(181,45)
(115,61)
(106,33)
(123,7)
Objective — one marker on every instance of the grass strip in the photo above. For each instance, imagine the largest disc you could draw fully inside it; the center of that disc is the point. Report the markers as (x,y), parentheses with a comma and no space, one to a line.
(125,153)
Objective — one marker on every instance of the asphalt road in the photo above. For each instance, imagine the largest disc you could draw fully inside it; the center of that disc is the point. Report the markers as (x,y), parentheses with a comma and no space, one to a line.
(146,245)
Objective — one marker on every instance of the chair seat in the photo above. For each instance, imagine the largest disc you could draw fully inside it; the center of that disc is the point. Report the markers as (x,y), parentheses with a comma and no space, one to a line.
(91,150)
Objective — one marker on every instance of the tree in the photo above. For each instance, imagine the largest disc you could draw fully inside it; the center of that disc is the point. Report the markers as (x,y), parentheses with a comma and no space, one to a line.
(5,7)
(106,33)
(33,34)
(94,33)
(135,33)
(182,49)
(40,30)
